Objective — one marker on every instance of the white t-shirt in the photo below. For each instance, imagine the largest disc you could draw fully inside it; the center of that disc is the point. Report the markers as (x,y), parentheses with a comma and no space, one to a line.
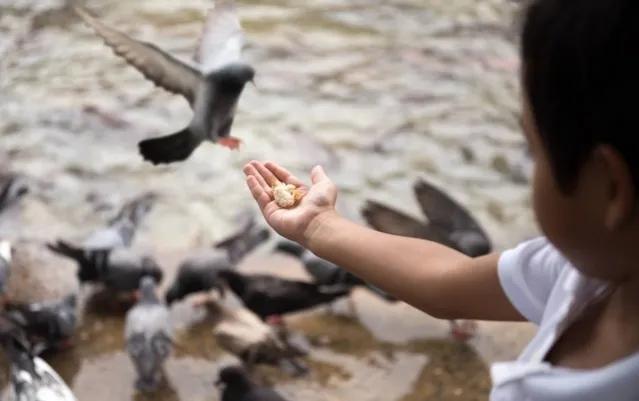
(547,290)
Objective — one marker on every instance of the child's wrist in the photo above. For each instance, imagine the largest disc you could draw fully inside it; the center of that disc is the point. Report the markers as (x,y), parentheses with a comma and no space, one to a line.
(319,228)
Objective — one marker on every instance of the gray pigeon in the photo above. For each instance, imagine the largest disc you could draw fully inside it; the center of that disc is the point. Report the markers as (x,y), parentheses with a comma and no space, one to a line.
(12,188)
(236,385)
(5,266)
(212,86)
(198,273)
(449,223)
(120,231)
(32,379)
(105,256)
(148,335)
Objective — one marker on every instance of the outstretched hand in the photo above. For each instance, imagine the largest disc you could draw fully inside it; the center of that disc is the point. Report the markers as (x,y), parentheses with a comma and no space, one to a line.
(298,222)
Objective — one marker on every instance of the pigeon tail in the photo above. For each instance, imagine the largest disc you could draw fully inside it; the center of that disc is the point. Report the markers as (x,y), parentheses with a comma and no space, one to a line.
(89,262)
(170,148)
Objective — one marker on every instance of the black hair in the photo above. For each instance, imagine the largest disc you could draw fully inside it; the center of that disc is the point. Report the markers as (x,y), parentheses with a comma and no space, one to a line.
(580,74)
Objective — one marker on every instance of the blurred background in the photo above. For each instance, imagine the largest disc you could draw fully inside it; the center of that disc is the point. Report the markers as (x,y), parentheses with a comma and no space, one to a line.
(378,92)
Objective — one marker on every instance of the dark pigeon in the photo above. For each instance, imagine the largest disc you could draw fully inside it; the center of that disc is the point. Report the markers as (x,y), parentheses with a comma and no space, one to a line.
(448,223)
(198,273)
(32,379)
(212,87)
(148,335)
(273,296)
(236,385)
(48,324)
(325,272)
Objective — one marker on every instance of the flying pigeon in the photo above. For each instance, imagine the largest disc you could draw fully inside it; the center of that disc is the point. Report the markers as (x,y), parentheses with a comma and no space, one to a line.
(212,85)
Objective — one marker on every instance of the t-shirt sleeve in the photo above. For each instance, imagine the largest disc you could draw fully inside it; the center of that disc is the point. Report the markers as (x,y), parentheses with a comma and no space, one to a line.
(528,273)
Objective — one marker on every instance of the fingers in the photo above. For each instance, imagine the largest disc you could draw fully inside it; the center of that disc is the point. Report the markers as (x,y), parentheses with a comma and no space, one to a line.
(258,192)
(268,176)
(283,174)
(251,171)
(318,175)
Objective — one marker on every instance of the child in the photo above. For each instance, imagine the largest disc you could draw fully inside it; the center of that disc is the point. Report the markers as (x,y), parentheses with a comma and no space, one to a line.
(580,282)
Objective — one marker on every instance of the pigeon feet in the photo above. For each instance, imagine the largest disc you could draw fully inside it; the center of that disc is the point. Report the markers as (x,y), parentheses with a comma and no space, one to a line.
(230,142)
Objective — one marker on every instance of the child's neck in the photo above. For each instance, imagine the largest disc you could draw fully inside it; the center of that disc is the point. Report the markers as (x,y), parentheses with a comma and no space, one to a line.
(607,332)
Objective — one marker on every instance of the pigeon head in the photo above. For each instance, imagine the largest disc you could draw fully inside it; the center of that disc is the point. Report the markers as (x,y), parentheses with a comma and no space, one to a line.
(234,76)
(152,269)
(290,247)
(472,244)
(147,288)
(234,376)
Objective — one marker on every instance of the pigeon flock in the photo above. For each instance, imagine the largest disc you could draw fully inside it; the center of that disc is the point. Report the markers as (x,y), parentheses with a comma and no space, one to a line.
(41,303)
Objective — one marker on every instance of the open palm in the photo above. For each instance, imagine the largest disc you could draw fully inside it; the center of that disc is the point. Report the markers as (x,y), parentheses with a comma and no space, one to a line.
(292,223)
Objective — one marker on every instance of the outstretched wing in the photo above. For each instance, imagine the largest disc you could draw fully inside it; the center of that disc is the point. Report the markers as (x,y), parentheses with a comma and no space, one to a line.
(155,64)
(391,221)
(222,38)
(442,210)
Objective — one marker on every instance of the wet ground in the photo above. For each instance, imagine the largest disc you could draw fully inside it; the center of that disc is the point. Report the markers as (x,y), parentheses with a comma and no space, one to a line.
(379,92)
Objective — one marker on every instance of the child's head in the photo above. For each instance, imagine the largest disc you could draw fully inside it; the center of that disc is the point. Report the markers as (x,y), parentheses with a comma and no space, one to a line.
(580,66)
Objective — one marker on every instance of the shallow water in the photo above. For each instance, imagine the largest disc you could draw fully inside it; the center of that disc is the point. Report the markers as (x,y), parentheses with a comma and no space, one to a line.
(379,92)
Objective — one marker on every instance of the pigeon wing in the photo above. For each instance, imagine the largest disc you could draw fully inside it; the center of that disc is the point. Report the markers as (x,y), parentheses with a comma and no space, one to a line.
(391,221)
(155,64)
(222,38)
(442,210)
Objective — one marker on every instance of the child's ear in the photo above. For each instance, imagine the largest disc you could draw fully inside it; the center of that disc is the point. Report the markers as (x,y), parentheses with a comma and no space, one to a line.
(621,193)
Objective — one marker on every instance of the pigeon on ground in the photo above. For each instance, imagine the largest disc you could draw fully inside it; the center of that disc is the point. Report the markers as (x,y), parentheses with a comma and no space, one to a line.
(48,324)
(105,257)
(325,272)
(240,332)
(236,385)
(198,273)
(212,85)
(12,188)
(40,295)
(148,335)
(31,378)
(118,270)
(270,296)
(448,223)
(5,266)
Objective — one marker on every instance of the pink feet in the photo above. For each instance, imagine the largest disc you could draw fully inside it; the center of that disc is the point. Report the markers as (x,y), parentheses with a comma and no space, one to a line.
(230,142)
(463,330)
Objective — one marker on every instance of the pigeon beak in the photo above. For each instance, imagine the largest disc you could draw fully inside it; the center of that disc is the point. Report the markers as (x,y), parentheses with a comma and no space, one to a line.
(254,84)
(218,384)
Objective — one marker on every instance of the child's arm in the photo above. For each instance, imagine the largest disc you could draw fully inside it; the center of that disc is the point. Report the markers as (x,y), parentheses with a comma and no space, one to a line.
(438,280)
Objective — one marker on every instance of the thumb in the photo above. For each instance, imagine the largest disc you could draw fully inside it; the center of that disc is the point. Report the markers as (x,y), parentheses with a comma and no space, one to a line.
(318,175)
